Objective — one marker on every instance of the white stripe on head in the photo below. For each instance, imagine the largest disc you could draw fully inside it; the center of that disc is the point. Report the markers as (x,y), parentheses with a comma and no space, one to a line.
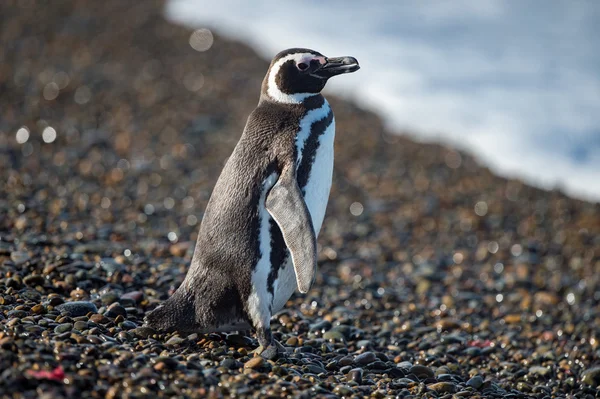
(274,92)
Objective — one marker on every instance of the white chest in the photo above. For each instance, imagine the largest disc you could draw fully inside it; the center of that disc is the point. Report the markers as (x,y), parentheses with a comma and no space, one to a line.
(316,192)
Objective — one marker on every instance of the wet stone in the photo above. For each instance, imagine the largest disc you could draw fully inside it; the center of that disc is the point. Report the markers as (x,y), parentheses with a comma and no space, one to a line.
(539,370)
(38,309)
(127,325)
(17,314)
(143,332)
(404,365)
(333,336)
(115,310)
(80,325)
(77,308)
(135,296)
(364,343)
(365,358)
(174,341)
(110,266)
(442,387)
(591,376)
(475,382)
(421,371)
(238,340)
(62,328)
(230,363)
(355,375)
(98,318)
(321,326)
(346,361)
(343,390)
(34,279)
(109,298)
(19,257)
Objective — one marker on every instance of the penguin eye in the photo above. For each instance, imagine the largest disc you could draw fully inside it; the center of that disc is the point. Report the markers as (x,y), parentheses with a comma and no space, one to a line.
(302,66)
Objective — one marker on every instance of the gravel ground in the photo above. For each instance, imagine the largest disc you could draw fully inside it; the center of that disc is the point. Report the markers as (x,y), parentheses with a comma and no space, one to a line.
(437,278)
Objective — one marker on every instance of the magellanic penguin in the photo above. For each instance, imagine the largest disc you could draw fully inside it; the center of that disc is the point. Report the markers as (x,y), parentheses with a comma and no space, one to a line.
(258,238)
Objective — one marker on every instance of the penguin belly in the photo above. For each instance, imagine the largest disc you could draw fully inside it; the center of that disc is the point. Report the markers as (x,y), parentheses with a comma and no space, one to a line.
(316,196)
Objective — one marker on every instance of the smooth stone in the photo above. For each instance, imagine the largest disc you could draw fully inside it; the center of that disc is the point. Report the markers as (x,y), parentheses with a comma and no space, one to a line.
(323,325)
(19,257)
(365,358)
(254,363)
(115,310)
(18,314)
(346,361)
(127,325)
(377,365)
(173,341)
(343,329)
(135,296)
(442,387)
(404,365)
(421,371)
(356,375)
(62,328)
(34,279)
(110,266)
(230,363)
(333,336)
(98,318)
(77,308)
(365,343)
(475,382)
(143,332)
(447,324)
(109,298)
(238,340)
(313,368)
(539,370)
(80,325)
(591,376)
(38,309)
(472,351)
(343,390)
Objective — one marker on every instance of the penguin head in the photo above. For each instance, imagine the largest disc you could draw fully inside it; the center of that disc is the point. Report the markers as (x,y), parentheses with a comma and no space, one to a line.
(298,73)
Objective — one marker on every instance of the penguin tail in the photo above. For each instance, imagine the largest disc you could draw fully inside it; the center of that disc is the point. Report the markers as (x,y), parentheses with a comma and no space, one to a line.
(176,314)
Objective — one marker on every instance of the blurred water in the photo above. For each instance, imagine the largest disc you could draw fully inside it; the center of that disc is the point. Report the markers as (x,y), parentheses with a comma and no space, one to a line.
(515,82)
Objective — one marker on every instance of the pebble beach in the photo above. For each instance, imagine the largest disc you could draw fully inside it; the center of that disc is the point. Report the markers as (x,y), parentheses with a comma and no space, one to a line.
(437,279)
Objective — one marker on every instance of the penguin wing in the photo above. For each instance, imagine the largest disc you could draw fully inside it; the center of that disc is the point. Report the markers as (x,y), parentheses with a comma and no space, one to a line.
(286,205)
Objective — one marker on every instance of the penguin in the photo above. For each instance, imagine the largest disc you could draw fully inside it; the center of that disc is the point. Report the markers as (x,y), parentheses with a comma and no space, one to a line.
(257,241)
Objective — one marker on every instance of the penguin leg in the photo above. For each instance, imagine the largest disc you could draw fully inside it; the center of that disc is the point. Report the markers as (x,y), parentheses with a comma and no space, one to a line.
(269,347)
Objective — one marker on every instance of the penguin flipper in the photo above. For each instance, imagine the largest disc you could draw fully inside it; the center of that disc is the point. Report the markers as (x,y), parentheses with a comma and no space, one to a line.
(286,206)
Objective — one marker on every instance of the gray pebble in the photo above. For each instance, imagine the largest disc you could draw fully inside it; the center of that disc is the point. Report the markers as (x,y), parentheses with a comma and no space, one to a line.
(77,308)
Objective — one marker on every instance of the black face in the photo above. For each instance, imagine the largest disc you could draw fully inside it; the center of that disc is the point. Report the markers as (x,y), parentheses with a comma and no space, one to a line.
(307,71)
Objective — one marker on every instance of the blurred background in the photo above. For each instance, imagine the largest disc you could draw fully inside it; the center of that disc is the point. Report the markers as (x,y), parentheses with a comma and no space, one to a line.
(513,82)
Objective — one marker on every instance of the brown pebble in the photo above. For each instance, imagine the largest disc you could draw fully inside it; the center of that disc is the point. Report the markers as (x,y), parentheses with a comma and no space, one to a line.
(512,318)
(254,363)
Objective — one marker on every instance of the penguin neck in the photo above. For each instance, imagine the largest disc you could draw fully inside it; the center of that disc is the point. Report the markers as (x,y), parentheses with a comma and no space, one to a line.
(307,101)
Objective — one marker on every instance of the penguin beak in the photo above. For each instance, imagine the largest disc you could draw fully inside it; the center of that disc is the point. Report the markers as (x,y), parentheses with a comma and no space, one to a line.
(337,66)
